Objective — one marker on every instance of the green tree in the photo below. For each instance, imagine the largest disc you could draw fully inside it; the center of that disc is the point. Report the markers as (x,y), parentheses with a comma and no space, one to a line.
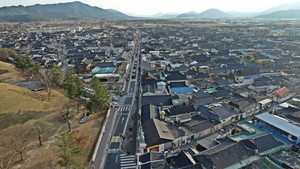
(90,106)
(75,88)
(70,72)
(68,151)
(23,62)
(73,84)
(5,54)
(56,75)
(101,94)
(27,67)
(39,128)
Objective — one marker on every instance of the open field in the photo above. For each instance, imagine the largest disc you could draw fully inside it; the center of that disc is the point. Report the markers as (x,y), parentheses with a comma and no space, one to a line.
(19,105)
(12,74)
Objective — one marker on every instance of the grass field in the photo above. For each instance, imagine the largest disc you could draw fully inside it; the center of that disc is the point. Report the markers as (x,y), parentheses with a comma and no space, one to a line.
(18,105)
(12,74)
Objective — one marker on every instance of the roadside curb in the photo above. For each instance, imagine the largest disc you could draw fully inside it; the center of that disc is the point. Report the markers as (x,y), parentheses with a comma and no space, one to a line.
(100,137)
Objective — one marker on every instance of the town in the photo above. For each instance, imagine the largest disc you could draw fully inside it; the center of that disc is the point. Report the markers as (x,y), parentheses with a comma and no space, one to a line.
(207,94)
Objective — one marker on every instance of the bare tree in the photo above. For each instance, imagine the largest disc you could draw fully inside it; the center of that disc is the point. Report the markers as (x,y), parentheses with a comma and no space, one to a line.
(47,161)
(39,128)
(7,158)
(44,77)
(69,116)
(17,138)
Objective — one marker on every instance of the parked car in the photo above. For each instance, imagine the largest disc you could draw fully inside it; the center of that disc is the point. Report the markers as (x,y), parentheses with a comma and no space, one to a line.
(114,98)
(84,98)
(84,118)
(114,104)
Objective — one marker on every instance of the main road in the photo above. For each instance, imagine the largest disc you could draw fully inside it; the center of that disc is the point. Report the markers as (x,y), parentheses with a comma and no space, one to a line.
(111,154)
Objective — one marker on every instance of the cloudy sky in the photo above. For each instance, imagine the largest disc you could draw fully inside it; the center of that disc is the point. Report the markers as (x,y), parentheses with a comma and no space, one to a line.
(149,7)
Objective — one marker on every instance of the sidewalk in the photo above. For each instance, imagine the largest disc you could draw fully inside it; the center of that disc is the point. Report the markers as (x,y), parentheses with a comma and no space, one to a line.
(129,143)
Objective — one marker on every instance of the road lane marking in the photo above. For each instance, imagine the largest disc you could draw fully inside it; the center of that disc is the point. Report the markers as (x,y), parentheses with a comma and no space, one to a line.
(124,162)
(115,139)
(116,158)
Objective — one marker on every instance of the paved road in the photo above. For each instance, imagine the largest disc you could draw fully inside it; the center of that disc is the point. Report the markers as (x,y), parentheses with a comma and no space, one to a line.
(112,153)
(105,139)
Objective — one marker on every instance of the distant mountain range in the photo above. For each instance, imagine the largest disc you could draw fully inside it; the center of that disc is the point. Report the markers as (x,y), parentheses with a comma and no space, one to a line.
(210,13)
(79,10)
(292,13)
(71,10)
(281,11)
(282,7)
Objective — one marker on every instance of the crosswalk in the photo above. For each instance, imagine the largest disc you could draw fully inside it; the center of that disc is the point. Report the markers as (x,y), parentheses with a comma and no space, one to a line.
(116,139)
(127,161)
(124,108)
(113,150)
(130,94)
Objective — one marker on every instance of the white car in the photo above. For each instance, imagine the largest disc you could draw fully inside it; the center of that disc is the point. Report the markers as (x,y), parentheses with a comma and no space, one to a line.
(114,98)
(114,104)
(84,98)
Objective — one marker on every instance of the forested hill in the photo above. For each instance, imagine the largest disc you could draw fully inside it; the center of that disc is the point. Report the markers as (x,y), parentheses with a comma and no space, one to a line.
(70,10)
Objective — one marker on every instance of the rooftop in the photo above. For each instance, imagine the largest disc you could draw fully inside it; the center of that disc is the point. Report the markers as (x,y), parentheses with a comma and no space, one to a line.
(280,123)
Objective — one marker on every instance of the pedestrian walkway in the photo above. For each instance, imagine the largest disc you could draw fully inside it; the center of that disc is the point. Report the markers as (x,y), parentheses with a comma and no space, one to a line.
(116,150)
(127,161)
(116,139)
(124,108)
(130,94)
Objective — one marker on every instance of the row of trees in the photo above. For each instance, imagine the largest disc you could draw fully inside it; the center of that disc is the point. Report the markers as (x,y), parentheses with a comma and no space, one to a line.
(16,140)
(68,80)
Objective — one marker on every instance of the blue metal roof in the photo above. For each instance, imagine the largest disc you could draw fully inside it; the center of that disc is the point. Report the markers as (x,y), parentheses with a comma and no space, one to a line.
(280,124)
(103,70)
(182,90)
(252,77)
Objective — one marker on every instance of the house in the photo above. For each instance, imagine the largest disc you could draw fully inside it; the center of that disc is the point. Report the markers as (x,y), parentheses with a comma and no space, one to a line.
(203,100)
(220,93)
(219,113)
(174,111)
(291,113)
(282,94)
(153,160)
(199,126)
(243,106)
(263,144)
(165,101)
(181,160)
(154,87)
(247,75)
(221,81)
(182,90)
(157,132)
(148,112)
(83,66)
(235,155)
(176,78)
(200,76)
(148,90)
(279,127)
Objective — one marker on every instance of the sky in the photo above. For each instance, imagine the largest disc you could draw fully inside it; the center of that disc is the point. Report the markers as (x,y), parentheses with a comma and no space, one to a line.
(150,7)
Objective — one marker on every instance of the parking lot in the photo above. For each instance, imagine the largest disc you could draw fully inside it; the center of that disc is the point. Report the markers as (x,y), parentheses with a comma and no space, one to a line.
(30,84)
